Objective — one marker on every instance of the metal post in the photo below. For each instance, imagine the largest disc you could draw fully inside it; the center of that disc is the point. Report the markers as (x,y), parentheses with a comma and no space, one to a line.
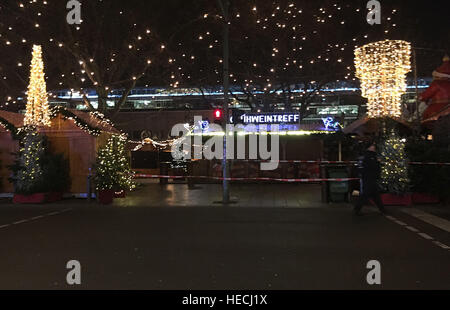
(323,175)
(164,171)
(416,84)
(190,179)
(224,5)
(89,186)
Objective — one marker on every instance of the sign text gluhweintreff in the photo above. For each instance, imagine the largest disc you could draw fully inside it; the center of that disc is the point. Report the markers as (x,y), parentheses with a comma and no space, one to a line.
(270,118)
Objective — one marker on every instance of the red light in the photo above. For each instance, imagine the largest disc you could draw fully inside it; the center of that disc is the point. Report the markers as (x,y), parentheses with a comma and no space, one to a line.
(218,114)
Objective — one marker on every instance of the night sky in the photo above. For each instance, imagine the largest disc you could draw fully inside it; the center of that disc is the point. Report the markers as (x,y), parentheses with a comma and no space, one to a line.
(272,43)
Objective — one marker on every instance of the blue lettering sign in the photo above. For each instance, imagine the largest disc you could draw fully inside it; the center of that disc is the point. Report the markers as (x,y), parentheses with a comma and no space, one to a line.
(271,118)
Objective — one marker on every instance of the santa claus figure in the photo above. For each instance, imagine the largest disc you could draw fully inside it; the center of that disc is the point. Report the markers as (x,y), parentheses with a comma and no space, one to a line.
(437,96)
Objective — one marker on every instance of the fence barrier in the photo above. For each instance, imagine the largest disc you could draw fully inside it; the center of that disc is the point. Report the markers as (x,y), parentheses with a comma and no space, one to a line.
(154,176)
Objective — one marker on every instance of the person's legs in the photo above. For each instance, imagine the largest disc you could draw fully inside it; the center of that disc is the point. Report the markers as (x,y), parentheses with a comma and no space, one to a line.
(377,199)
(362,200)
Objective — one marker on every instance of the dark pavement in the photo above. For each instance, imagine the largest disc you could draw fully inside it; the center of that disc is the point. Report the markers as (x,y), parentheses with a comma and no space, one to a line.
(238,247)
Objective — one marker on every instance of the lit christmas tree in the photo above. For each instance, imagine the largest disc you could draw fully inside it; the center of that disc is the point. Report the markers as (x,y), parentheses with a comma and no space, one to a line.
(394,167)
(28,176)
(37,113)
(113,169)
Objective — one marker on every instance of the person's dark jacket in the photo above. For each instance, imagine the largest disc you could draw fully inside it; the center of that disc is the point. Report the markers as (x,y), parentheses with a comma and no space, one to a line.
(370,170)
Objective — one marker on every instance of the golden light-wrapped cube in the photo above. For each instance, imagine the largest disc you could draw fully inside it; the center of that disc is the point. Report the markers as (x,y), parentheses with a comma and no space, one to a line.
(382,67)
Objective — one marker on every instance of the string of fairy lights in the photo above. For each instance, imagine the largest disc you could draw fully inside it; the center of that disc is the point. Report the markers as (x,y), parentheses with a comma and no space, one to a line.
(290,31)
(112,168)
(37,112)
(394,168)
(382,67)
(91,73)
(30,153)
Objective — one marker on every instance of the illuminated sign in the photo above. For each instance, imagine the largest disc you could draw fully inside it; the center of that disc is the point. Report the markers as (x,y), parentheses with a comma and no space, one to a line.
(331,123)
(203,125)
(270,118)
(218,114)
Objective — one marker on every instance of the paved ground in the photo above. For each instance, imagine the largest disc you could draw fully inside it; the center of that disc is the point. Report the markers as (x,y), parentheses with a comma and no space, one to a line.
(207,195)
(140,244)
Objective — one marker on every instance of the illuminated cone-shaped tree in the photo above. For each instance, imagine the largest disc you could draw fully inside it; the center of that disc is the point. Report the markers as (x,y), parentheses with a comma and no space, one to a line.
(112,168)
(394,167)
(37,113)
(125,175)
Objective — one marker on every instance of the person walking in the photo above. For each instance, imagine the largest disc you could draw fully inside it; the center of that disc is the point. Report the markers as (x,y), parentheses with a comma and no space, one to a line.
(370,174)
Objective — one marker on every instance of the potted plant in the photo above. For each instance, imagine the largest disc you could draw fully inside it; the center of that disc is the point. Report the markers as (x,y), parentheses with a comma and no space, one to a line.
(125,175)
(394,171)
(105,177)
(34,168)
(27,170)
(113,175)
(55,167)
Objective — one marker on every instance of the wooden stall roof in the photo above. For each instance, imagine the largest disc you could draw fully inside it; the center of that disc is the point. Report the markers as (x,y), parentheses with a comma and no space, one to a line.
(17,120)
(312,127)
(369,123)
(94,121)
